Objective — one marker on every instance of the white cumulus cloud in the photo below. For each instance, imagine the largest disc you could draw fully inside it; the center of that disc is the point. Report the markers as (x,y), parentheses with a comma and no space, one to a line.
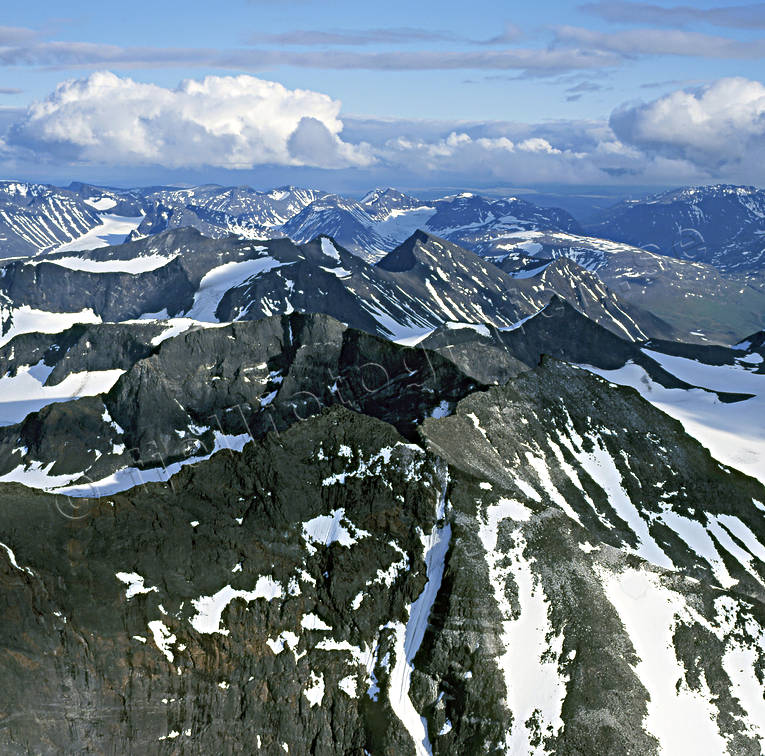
(717,127)
(233,122)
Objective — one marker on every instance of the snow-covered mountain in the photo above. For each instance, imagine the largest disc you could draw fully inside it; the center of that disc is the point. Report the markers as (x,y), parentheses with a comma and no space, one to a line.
(219,211)
(694,300)
(718,225)
(415,288)
(345,221)
(586,292)
(385,218)
(370,227)
(382,204)
(700,302)
(35,218)
(721,225)
(271,208)
(481,224)
(290,497)
(383,553)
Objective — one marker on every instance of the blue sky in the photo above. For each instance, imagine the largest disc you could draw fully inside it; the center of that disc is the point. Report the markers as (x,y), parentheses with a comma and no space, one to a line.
(543,92)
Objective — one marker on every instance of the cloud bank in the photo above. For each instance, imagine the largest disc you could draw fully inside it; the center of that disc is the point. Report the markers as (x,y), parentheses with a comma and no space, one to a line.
(244,123)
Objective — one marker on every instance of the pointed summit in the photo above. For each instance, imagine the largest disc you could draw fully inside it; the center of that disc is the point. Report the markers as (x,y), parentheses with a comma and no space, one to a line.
(406,255)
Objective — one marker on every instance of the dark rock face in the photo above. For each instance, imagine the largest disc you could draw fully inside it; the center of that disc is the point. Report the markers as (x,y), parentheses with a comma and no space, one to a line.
(652,446)
(750,347)
(273,597)
(503,431)
(231,674)
(753,342)
(322,277)
(82,348)
(243,379)
(112,296)
(184,397)
(292,277)
(494,355)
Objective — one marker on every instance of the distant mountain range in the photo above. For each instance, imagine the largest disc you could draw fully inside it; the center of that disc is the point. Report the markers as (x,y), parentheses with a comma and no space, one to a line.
(649,253)
(720,225)
(421,284)
(35,218)
(369,228)
(701,302)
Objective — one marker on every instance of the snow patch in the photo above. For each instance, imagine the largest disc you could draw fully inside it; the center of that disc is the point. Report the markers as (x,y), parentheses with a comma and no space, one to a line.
(408,638)
(329,249)
(535,686)
(101,204)
(314,692)
(313,622)
(135,584)
(348,686)
(163,638)
(24,319)
(12,560)
(210,608)
(25,392)
(332,528)
(480,329)
(680,718)
(134,265)
(443,410)
(733,432)
(219,280)
(114,229)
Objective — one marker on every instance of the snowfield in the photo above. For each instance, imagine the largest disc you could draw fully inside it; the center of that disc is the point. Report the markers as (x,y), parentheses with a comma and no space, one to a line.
(135,265)
(219,280)
(25,319)
(113,230)
(25,392)
(733,432)
(681,719)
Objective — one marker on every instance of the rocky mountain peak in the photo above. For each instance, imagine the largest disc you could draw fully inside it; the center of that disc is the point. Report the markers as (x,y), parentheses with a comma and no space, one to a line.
(405,256)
